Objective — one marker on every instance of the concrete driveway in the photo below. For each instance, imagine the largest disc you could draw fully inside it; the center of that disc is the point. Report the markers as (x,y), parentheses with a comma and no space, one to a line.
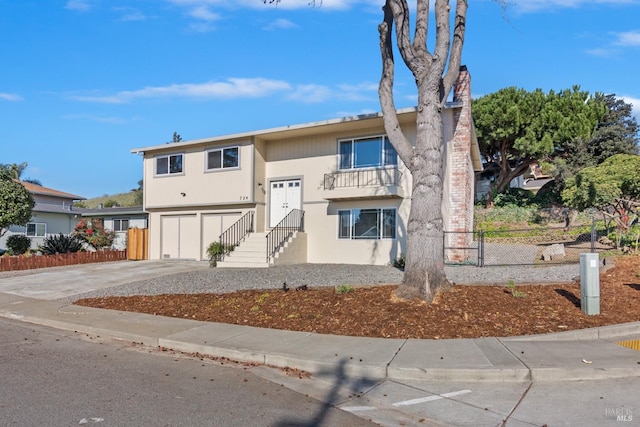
(61,282)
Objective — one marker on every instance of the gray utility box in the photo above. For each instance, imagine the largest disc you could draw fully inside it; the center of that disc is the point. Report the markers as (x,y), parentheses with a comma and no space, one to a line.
(590,283)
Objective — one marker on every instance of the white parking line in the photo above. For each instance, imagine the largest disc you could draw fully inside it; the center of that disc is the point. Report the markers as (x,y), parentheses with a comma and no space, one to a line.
(430,398)
(358,408)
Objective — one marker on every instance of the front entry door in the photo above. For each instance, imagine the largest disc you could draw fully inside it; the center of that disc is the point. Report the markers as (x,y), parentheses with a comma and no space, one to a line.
(285,196)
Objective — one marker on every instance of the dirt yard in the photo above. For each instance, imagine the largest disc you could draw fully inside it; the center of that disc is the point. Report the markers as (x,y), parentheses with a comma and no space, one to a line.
(465,311)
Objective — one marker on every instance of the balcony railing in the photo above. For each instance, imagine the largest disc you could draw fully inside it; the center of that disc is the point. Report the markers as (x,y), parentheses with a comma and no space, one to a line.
(357,178)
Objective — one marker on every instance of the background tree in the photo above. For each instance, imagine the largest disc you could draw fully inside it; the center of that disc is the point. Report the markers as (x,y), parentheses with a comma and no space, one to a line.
(176,138)
(14,170)
(33,181)
(138,193)
(517,128)
(613,187)
(615,133)
(16,203)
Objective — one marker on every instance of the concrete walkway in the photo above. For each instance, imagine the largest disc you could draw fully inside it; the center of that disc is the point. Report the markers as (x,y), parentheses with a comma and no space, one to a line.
(575,355)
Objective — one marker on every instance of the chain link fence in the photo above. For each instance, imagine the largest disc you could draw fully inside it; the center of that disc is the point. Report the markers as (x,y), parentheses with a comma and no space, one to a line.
(531,246)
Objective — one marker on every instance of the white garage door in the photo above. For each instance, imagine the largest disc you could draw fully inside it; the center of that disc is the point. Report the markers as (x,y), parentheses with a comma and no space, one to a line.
(179,237)
(213,225)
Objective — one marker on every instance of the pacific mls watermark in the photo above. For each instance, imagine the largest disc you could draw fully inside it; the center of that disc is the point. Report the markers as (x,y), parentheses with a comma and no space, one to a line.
(619,414)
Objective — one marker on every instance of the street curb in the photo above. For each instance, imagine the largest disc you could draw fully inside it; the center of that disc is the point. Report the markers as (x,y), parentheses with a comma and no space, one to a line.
(355,369)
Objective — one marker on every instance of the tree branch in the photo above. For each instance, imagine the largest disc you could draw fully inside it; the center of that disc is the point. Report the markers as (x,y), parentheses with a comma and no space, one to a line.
(385,89)
(456,49)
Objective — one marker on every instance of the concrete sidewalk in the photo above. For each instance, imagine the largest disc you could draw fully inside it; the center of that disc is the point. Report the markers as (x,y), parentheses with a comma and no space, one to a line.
(575,355)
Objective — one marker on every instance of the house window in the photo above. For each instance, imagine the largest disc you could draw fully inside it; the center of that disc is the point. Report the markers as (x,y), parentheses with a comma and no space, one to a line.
(223,158)
(169,165)
(36,229)
(370,152)
(121,224)
(367,224)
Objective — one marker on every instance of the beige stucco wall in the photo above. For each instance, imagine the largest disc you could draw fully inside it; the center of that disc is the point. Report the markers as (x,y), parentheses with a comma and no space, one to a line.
(295,251)
(200,228)
(196,186)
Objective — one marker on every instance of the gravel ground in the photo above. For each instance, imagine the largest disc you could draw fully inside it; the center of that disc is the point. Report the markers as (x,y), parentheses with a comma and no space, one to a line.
(220,280)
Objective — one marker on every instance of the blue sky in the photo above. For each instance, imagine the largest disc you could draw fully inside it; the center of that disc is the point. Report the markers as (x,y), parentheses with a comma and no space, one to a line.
(82,82)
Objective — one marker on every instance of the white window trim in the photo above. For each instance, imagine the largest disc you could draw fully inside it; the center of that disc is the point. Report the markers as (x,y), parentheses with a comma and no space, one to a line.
(168,157)
(120,221)
(222,167)
(26,229)
(359,138)
(380,225)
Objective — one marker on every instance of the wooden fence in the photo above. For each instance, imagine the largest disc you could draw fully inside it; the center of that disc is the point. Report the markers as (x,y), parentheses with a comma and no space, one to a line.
(138,243)
(9,263)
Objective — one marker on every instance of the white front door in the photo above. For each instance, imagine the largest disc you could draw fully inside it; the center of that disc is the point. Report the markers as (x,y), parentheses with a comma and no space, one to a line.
(285,196)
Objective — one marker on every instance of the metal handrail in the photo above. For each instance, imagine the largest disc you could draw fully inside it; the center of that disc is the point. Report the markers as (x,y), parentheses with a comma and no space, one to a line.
(234,235)
(294,221)
(362,178)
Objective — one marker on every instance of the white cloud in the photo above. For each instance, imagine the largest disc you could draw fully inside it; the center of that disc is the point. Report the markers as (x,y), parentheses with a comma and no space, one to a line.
(10,97)
(313,93)
(203,13)
(602,52)
(628,38)
(130,14)
(284,4)
(79,5)
(531,6)
(280,24)
(635,102)
(230,89)
(99,119)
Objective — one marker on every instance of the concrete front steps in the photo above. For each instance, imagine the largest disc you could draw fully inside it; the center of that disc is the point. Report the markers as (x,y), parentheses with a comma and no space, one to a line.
(252,252)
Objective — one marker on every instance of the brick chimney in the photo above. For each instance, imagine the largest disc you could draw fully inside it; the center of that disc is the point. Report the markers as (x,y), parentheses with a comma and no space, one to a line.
(461,190)
(462,87)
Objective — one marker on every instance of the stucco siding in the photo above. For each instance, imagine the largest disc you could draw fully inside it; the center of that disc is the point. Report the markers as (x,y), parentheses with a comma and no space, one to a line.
(324,246)
(55,224)
(196,185)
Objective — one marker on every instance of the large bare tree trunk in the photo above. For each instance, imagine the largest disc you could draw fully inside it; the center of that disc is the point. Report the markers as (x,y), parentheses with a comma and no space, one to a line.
(424,268)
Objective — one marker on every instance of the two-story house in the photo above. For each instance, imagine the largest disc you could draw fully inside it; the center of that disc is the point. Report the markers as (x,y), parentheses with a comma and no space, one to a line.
(341,176)
(53,213)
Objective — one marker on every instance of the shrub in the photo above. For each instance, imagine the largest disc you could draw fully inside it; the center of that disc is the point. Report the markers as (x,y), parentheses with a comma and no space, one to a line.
(216,249)
(18,244)
(513,196)
(93,233)
(344,289)
(60,244)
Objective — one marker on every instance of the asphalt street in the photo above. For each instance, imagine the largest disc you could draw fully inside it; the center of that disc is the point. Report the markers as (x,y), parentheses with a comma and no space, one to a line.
(52,378)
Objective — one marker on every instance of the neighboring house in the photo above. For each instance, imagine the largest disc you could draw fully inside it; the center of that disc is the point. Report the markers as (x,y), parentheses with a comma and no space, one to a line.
(531,180)
(53,213)
(343,174)
(120,220)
